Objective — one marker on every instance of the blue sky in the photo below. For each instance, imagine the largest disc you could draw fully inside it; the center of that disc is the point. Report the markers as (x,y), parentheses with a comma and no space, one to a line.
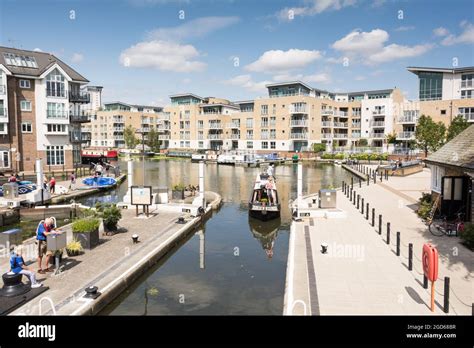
(142,51)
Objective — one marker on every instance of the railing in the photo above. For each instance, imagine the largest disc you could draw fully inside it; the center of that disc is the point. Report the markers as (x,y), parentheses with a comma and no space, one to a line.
(377,135)
(406,135)
(377,124)
(298,135)
(163,127)
(264,125)
(356,114)
(355,135)
(215,126)
(340,124)
(213,112)
(76,137)
(57,114)
(465,84)
(341,113)
(145,129)
(119,129)
(118,119)
(326,112)
(86,136)
(79,117)
(3,112)
(326,135)
(163,137)
(164,116)
(246,110)
(299,123)
(234,125)
(378,112)
(288,94)
(340,135)
(355,124)
(55,93)
(407,119)
(300,109)
(249,136)
(118,137)
(214,136)
(3,89)
(79,97)
(235,136)
(326,124)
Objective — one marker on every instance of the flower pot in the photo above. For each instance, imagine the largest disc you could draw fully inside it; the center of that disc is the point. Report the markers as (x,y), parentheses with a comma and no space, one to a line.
(177,194)
(88,240)
(71,253)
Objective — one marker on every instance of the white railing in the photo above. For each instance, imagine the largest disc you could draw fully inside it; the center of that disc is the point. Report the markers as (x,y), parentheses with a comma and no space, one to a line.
(406,135)
(356,114)
(119,129)
(326,112)
(407,119)
(340,136)
(341,113)
(163,137)
(212,112)
(57,114)
(355,135)
(118,137)
(235,136)
(326,124)
(377,135)
(234,125)
(377,124)
(340,124)
(355,124)
(264,125)
(379,112)
(298,109)
(299,123)
(326,135)
(298,135)
(117,119)
(214,136)
(215,126)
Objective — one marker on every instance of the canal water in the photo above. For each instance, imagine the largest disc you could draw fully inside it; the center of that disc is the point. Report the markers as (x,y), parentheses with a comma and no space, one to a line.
(243,268)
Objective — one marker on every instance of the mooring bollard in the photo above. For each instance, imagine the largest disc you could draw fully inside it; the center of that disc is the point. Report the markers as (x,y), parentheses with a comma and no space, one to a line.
(368,180)
(352,181)
(388,232)
(362,212)
(375,177)
(380,176)
(367,212)
(358,199)
(354,198)
(410,256)
(360,182)
(398,243)
(386,174)
(380,223)
(446,295)
(425,282)
(373,217)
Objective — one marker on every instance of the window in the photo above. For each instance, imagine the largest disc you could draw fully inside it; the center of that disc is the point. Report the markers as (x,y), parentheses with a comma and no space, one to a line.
(3,129)
(431,86)
(264,109)
(249,144)
(55,85)
(201,144)
(437,174)
(55,155)
(249,123)
(56,110)
(264,144)
(4,159)
(250,134)
(25,105)
(17,60)
(272,133)
(467,94)
(443,112)
(26,127)
(272,144)
(25,84)
(57,128)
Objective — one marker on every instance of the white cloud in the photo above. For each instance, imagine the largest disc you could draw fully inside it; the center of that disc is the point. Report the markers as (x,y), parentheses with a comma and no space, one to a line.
(77,58)
(313,7)
(394,51)
(405,28)
(162,55)
(359,78)
(319,78)
(191,29)
(247,82)
(38,49)
(277,60)
(440,31)
(370,47)
(466,37)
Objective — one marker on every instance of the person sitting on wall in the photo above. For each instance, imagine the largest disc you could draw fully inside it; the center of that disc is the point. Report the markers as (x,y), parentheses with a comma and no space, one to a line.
(17,266)
(45,228)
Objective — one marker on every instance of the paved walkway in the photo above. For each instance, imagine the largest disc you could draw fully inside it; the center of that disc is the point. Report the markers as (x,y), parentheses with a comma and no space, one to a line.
(361,274)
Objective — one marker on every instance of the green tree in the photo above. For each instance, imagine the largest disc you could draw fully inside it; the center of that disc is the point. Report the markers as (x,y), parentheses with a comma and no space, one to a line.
(392,138)
(429,135)
(153,140)
(458,124)
(319,147)
(130,138)
(362,142)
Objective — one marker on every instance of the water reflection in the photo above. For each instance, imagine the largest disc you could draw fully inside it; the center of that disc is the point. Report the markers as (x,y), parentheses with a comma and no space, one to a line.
(266,233)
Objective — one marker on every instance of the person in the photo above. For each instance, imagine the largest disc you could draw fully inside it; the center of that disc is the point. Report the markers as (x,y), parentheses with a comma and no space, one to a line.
(12,178)
(96,179)
(269,188)
(99,169)
(17,265)
(17,177)
(52,185)
(270,170)
(45,182)
(44,229)
(72,184)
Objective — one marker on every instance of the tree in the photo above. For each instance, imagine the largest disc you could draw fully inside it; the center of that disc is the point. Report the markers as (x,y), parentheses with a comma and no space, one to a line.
(392,138)
(153,140)
(130,138)
(429,135)
(362,142)
(319,147)
(457,125)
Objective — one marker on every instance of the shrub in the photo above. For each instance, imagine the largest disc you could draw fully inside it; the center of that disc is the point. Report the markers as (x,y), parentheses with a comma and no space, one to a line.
(339,156)
(425,205)
(319,147)
(374,157)
(467,236)
(327,156)
(179,187)
(74,247)
(111,215)
(85,225)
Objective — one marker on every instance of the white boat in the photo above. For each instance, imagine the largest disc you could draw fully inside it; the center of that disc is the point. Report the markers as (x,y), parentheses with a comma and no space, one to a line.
(230,157)
(264,203)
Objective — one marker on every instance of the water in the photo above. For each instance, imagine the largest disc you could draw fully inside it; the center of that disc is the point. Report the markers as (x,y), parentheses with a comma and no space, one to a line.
(245,259)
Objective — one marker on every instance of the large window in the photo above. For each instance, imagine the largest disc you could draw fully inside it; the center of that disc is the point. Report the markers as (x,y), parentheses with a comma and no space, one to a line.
(56,110)
(264,109)
(4,159)
(431,86)
(55,84)
(55,155)
(17,60)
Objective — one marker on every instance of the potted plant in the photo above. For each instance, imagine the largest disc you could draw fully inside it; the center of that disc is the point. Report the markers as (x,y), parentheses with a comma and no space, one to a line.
(74,248)
(110,215)
(178,191)
(86,231)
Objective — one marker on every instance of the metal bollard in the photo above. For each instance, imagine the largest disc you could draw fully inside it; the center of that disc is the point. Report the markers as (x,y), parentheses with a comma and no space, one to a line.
(352,182)
(410,256)
(362,212)
(358,199)
(360,182)
(398,243)
(380,223)
(367,212)
(425,282)
(446,295)
(388,232)
(368,180)
(373,217)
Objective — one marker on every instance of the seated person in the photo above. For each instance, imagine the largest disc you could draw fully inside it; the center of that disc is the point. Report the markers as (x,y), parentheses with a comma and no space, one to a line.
(17,265)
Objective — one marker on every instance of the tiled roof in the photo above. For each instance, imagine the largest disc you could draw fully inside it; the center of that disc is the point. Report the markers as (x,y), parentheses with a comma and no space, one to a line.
(459,152)
(44,61)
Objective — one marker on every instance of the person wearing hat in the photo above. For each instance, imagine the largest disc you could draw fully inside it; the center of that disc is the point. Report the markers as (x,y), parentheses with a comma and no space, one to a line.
(17,265)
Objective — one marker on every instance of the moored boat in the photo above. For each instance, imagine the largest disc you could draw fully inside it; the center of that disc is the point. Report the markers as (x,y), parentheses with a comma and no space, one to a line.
(99,181)
(264,203)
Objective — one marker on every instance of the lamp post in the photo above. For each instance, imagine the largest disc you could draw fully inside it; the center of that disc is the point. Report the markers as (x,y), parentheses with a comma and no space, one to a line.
(143,151)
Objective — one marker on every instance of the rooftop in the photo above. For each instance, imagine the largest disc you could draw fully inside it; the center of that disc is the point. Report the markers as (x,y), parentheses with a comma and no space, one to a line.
(416,70)
(180,95)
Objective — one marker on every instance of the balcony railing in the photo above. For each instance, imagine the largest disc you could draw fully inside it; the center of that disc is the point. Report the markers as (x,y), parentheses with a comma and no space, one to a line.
(3,112)
(355,135)
(326,135)
(119,129)
(407,119)
(76,137)
(215,126)
(467,84)
(214,136)
(340,125)
(326,124)
(327,112)
(164,127)
(116,119)
(235,136)
(299,123)
(406,135)
(3,89)
(234,125)
(119,137)
(379,112)
(356,114)
(299,135)
(211,112)
(340,135)
(57,114)
(264,125)
(264,136)
(341,113)
(79,117)
(298,109)
(355,124)
(79,97)
(377,124)
(164,137)
(377,135)
(249,136)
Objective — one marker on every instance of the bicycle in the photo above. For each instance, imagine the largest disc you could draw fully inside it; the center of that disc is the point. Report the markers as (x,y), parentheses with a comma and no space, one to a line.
(442,226)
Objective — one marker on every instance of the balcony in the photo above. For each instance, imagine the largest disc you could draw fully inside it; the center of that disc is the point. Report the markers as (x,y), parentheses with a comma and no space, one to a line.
(211,112)
(377,124)
(119,137)
(79,117)
(340,135)
(234,125)
(380,112)
(164,137)
(235,136)
(249,136)
(467,84)
(117,119)
(406,135)
(214,136)
(77,138)
(298,109)
(340,125)
(356,114)
(79,97)
(57,114)
(86,137)
(377,135)
(341,113)
(326,124)
(327,112)
(299,136)
(3,89)
(145,129)
(215,126)
(326,135)
(264,125)
(119,129)
(355,135)
(355,124)
(299,123)
(407,119)
(164,127)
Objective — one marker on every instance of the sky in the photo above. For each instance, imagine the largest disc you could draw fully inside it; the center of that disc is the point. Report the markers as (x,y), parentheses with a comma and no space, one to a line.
(142,51)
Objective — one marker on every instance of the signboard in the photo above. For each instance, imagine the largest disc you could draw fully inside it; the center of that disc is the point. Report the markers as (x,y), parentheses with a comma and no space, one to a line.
(141,195)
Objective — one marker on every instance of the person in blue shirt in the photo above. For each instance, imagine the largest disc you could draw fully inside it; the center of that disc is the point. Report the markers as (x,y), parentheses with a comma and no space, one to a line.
(17,265)
(43,230)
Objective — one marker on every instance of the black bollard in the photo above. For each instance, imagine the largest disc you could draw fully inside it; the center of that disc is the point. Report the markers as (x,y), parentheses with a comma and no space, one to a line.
(367,212)
(358,199)
(398,243)
(381,176)
(446,295)
(352,182)
(362,212)
(368,180)
(425,282)
(380,223)
(388,232)
(373,217)
(375,177)
(410,256)
(360,182)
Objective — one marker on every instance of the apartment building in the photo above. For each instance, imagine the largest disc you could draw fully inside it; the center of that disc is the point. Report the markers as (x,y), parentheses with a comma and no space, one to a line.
(40,111)
(443,95)
(107,126)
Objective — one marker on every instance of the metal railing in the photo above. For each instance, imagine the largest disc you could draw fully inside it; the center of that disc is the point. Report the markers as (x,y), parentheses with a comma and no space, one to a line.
(407,119)
(377,124)
(327,112)
(215,126)
(57,114)
(299,123)
(340,136)
(406,135)
(326,124)
(298,135)
(379,112)
(214,136)
(377,135)
(79,97)
(340,124)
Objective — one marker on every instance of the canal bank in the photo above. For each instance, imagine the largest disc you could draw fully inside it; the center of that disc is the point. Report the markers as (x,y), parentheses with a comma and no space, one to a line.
(113,265)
